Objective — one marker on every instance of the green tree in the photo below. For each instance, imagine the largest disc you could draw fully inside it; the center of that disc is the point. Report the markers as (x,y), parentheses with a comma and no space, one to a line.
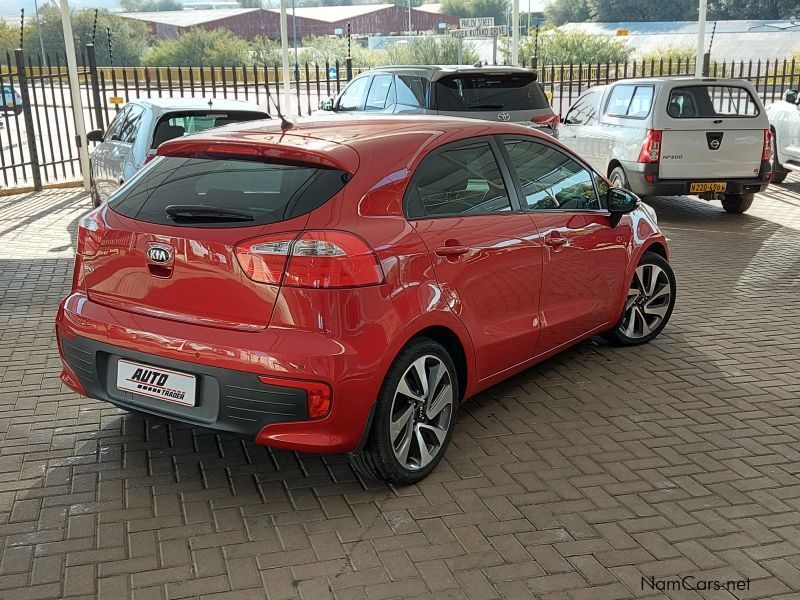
(199,47)
(430,50)
(558,47)
(330,49)
(128,38)
(609,11)
(251,3)
(753,9)
(568,11)
(9,37)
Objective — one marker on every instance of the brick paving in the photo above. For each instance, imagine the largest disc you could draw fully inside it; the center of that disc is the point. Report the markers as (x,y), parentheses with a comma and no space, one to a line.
(573,480)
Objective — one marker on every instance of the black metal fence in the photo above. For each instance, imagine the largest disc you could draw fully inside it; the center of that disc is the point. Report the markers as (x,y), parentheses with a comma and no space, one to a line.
(38,138)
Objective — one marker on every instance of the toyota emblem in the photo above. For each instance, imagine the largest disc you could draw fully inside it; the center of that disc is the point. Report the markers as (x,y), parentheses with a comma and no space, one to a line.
(504,116)
(159,254)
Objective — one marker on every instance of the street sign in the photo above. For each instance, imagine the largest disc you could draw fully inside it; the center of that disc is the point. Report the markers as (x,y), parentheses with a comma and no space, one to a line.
(479,31)
(470,22)
(116,100)
(333,73)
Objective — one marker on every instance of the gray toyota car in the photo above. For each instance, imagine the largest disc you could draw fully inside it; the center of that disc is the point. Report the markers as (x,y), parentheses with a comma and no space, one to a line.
(491,93)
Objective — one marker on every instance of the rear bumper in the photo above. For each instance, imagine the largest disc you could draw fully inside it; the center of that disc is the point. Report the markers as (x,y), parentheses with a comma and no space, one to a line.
(227,366)
(643,180)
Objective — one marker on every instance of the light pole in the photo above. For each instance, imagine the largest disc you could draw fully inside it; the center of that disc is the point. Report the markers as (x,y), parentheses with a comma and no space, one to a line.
(284,58)
(39,31)
(409,17)
(515,33)
(701,37)
(75,92)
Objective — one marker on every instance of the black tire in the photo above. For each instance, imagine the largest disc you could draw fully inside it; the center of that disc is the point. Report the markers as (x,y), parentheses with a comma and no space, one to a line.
(96,201)
(377,459)
(618,178)
(737,203)
(618,334)
(779,173)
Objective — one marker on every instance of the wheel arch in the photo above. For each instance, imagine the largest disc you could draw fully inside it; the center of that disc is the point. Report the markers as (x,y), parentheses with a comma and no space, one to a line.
(454,346)
(613,164)
(657,248)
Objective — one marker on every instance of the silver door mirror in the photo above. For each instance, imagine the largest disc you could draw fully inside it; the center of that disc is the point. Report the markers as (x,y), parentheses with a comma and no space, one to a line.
(326,104)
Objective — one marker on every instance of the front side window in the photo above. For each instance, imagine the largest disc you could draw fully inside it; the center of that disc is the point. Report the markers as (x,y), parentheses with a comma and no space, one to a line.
(464,180)
(583,111)
(380,93)
(630,101)
(550,179)
(711,101)
(130,127)
(354,95)
(112,133)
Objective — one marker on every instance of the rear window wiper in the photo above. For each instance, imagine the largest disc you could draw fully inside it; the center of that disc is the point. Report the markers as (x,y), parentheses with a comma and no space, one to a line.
(198,212)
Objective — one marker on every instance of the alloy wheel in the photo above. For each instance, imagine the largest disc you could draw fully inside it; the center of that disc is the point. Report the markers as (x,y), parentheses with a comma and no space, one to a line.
(648,301)
(422,412)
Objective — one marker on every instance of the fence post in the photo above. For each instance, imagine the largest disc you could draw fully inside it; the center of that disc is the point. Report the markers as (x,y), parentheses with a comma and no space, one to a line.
(91,58)
(706,63)
(22,78)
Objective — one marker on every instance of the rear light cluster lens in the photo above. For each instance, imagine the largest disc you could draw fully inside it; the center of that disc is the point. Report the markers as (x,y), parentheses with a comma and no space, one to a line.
(651,148)
(318,395)
(766,152)
(90,233)
(551,121)
(311,259)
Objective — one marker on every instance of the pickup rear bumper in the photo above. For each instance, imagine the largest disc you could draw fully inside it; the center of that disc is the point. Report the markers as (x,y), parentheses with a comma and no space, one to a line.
(643,180)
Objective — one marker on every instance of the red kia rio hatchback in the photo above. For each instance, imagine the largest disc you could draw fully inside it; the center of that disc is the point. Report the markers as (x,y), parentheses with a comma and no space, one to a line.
(342,286)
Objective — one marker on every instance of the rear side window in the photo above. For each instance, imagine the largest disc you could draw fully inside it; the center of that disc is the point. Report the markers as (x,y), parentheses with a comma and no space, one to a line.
(632,101)
(175,125)
(505,91)
(411,90)
(261,192)
(460,181)
(710,101)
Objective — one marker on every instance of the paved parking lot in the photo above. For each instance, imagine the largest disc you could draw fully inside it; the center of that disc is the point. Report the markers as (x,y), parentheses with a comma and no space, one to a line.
(581,478)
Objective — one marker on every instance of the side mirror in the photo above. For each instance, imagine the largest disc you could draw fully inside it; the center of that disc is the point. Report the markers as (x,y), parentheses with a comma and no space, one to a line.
(620,202)
(790,96)
(326,104)
(95,135)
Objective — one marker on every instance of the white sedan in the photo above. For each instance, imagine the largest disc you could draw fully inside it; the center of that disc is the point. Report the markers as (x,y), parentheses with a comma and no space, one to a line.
(784,119)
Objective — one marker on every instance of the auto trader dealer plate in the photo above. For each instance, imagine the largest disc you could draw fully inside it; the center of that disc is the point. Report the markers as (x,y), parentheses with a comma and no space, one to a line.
(156,382)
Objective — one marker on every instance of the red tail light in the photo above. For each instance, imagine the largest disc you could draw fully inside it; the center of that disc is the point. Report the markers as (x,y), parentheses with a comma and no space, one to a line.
(766,152)
(318,395)
(547,120)
(90,233)
(651,148)
(312,259)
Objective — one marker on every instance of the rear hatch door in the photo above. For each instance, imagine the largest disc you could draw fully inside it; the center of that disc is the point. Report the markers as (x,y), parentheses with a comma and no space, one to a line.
(493,96)
(711,131)
(169,245)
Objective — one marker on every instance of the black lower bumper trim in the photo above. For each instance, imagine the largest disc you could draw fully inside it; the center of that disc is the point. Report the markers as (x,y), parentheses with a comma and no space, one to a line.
(227,400)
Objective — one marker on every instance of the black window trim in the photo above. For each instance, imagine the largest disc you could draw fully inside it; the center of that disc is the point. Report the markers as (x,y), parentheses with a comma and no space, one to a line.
(635,86)
(603,210)
(505,173)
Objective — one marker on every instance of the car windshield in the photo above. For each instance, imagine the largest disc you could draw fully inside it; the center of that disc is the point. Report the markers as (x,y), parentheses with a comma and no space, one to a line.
(501,91)
(177,124)
(225,192)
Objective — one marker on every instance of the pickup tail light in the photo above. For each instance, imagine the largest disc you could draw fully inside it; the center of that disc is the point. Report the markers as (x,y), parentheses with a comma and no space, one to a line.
(766,152)
(310,259)
(90,233)
(651,148)
(550,121)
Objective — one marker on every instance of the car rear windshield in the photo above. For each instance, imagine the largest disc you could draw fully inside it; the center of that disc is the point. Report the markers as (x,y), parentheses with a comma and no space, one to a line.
(177,124)
(711,101)
(225,193)
(504,91)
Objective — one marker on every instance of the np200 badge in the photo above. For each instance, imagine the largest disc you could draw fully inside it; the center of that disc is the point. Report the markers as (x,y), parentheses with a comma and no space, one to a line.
(673,157)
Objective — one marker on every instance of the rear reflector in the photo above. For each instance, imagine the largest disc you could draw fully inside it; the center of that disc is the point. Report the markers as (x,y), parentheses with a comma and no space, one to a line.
(316,259)
(766,152)
(651,148)
(318,395)
(90,233)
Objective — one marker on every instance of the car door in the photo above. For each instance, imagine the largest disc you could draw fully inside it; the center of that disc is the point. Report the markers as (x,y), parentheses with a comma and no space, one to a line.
(584,258)
(485,252)
(354,95)
(120,160)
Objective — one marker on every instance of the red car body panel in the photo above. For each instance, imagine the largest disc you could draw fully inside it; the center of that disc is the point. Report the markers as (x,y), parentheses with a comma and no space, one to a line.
(510,299)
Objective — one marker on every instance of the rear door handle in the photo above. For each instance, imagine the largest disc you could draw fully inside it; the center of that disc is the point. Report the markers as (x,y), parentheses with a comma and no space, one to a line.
(451,250)
(556,241)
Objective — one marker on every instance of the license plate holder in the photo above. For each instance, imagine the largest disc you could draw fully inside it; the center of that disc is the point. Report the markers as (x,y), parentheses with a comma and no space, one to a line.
(156,382)
(711,186)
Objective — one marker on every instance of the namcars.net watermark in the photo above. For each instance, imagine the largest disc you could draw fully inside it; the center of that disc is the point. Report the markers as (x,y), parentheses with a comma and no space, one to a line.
(690,582)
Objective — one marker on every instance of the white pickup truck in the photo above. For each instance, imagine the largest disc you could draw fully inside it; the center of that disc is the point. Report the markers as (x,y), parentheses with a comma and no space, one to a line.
(784,117)
(670,136)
